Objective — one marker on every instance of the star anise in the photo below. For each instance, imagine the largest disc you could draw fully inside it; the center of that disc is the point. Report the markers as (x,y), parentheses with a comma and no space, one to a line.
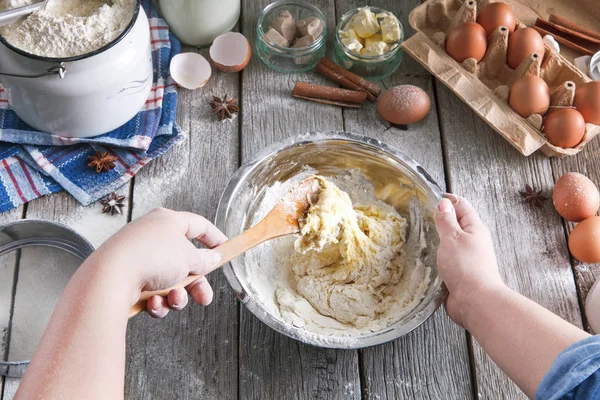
(102,161)
(113,204)
(533,196)
(225,108)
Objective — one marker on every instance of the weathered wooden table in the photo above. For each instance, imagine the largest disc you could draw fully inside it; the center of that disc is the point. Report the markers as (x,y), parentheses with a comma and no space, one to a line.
(224,352)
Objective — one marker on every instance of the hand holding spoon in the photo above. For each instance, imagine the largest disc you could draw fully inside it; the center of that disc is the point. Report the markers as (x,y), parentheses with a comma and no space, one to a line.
(280,221)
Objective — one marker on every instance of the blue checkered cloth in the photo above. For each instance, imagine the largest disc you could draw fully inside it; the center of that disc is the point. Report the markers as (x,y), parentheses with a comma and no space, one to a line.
(34,164)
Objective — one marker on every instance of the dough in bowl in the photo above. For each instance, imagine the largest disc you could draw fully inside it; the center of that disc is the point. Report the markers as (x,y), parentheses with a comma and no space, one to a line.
(347,267)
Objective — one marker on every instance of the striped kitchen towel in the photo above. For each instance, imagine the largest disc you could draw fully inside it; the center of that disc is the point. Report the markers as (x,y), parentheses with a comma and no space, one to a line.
(34,164)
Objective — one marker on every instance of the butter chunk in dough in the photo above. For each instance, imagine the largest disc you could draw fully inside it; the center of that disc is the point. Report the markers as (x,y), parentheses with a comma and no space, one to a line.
(348,257)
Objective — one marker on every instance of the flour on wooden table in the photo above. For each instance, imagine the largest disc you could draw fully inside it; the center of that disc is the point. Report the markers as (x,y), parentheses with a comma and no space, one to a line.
(153,191)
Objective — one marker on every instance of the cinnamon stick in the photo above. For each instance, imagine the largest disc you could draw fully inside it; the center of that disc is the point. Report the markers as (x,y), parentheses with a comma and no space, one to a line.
(565,42)
(330,102)
(363,83)
(572,25)
(569,34)
(329,95)
(340,80)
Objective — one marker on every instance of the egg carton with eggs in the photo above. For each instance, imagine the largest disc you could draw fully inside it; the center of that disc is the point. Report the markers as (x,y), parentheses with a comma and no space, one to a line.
(484,85)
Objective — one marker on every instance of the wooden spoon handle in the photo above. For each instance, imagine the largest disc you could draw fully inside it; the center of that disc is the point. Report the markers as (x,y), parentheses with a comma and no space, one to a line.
(228,251)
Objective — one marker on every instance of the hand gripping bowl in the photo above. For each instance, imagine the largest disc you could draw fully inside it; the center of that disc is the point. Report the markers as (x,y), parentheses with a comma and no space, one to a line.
(397,179)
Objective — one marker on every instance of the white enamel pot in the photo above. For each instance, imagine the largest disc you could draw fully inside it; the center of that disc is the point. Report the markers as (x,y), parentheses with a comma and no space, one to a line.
(81,96)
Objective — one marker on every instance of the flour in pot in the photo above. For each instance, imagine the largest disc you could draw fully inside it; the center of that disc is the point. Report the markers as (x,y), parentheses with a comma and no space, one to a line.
(346,273)
(68,28)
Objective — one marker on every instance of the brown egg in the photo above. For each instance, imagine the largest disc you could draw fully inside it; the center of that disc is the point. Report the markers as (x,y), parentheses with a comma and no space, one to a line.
(584,241)
(495,15)
(575,197)
(404,104)
(564,127)
(467,40)
(521,44)
(529,95)
(587,101)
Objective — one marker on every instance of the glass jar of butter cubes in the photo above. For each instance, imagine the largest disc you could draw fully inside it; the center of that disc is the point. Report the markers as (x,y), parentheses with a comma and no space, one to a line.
(291,36)
(367,42)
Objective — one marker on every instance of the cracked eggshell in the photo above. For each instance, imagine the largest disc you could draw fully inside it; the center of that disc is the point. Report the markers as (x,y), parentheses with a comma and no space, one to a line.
(190,70)
(552,43)
(230,52)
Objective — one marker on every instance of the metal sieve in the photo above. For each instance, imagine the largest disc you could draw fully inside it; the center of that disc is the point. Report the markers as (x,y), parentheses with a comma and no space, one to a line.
(38,233)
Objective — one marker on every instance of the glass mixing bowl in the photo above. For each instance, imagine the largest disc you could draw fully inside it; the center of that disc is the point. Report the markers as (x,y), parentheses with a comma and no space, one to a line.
(396,179)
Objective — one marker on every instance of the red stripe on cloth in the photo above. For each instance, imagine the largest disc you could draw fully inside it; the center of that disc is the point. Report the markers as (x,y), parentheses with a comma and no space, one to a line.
(119,159)
(14,181)
(154,100)
(170,85)
(3,101)
(43,159)
(28,176)
(160,41)
(141,163)
(158,27)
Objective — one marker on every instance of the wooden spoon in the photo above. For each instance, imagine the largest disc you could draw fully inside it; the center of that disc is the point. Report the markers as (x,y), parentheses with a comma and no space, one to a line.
(281,221)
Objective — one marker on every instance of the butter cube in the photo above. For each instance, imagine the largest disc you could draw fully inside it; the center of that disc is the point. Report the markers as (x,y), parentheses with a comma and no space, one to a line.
(350,33)
(364,23)
(372,39)
(351,40)
(353,44)
(375,49)
(390,29)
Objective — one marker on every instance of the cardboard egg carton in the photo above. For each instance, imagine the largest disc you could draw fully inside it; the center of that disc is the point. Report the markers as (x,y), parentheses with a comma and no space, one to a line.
(484,86)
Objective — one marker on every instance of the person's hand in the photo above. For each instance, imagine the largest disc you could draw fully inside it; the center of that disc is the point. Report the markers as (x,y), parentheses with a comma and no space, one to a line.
(465,258)
(153,252)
